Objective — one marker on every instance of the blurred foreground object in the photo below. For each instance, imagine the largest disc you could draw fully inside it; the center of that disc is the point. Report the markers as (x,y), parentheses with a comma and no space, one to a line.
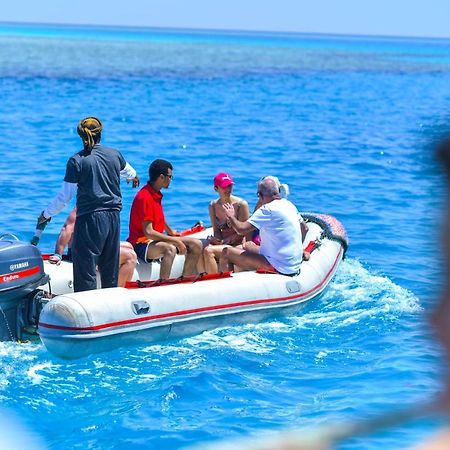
(14,435)
(327,437)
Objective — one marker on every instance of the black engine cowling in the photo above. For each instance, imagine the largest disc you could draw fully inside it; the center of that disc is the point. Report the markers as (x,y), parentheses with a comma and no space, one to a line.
(21,273)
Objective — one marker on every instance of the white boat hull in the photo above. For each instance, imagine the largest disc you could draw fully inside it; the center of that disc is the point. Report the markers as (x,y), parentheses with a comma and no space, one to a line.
(75,325)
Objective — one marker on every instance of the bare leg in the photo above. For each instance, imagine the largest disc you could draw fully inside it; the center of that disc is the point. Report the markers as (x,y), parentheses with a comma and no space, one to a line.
(165,251)
(127,263)
(201,264)
(251,247)
(245,259)
(194,251)
(209,259)
(225,264)
(210,256)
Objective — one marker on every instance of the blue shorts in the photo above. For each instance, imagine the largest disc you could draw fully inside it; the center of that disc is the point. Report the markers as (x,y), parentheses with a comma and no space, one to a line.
(141,251)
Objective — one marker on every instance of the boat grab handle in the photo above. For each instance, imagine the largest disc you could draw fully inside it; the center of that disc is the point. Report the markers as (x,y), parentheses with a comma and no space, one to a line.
(4,236)
(141,307)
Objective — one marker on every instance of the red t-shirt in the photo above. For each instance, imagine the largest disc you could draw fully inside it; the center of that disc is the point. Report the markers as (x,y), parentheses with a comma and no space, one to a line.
(146,207)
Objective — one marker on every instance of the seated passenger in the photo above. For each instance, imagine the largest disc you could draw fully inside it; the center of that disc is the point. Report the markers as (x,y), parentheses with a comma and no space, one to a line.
(280,232)
(223,234)
(127,256)
(255,240)
(147,225)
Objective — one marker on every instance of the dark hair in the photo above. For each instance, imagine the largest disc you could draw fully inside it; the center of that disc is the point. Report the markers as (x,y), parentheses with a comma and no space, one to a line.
(90,131)
(158,167)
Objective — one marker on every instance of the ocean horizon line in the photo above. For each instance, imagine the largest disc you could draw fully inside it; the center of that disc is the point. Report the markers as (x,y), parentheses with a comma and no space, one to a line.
(219,31)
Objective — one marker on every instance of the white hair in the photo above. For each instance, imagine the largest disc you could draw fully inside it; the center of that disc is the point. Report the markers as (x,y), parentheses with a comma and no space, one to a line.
(270,185)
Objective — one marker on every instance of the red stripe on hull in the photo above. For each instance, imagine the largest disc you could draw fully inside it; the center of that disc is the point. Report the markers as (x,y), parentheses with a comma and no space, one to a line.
(196,310)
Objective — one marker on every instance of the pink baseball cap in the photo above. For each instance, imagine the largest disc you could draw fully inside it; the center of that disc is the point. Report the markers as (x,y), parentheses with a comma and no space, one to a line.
(223,180)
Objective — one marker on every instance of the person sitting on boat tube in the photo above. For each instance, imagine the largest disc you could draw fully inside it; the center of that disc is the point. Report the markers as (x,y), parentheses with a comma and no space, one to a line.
(148,224)
(281,236)
(127,256)
(254,242)
(223,234)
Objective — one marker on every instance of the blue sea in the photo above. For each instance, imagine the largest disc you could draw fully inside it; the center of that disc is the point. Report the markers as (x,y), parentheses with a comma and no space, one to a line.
(347,122)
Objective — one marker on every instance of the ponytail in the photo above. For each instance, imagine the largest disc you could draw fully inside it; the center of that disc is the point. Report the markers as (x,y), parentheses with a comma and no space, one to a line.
(89,130)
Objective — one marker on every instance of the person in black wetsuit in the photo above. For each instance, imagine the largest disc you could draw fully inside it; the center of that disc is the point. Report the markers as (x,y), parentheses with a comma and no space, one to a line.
(94,174)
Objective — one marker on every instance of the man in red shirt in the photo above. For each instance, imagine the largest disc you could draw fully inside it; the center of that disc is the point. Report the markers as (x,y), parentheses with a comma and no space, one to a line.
(147,225)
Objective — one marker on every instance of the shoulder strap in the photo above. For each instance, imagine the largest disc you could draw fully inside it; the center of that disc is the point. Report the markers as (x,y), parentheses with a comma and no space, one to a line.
(238,208)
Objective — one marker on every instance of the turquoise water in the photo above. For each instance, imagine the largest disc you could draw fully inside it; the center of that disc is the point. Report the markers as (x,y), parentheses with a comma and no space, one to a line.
(347,122)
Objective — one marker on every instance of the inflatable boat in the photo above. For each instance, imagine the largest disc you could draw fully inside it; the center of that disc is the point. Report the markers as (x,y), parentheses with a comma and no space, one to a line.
(73,325)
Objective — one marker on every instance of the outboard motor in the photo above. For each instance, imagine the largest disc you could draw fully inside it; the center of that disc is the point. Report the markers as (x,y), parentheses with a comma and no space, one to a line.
(21,273)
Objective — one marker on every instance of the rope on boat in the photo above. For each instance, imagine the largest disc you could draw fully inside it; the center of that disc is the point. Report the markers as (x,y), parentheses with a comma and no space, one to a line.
(180,280)
(332,228)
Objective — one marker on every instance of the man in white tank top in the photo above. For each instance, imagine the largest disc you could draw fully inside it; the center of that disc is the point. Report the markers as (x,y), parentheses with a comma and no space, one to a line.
(281,237)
